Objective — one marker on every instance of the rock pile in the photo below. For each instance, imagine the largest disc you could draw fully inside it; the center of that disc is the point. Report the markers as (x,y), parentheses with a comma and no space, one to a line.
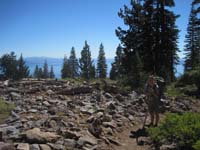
(60,115)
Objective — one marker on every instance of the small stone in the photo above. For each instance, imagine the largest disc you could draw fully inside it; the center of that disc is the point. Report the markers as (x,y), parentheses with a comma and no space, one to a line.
(45,147)
(35,147)
(23,146)
(108,95)
(39,98)
(15,96)
(33,110)
(46,103)
(70,143)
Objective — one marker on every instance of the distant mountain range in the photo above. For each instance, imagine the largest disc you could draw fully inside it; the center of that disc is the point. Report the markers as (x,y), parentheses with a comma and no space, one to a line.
(57,64)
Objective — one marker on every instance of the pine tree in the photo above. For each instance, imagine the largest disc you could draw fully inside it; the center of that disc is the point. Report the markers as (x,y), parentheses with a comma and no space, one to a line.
(65,72)
(73,64)
(117,68)
(86,62)
(40,73)
(36,72)
(45,70)
(101,63)
(8,66)
(152,34)
(92,72)
(51,73)
(192,46)
(23,70)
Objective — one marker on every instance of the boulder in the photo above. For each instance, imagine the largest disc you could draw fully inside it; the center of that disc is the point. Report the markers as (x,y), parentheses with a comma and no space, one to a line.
(6,146)
(35,147)
(44,147)
(37,136)
(23,146)
(70,143)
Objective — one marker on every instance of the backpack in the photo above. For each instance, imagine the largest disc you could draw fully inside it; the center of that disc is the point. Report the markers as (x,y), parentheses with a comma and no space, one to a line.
(161,86)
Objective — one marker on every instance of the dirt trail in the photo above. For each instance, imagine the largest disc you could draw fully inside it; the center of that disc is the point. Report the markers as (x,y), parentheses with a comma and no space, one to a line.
(126,142)
(129,143)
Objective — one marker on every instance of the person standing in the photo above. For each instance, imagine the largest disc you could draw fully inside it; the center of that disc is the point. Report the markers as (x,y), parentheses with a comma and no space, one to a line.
(152,95)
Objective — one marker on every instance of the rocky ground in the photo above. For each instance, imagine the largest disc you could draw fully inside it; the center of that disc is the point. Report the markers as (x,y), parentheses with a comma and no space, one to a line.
(62,115)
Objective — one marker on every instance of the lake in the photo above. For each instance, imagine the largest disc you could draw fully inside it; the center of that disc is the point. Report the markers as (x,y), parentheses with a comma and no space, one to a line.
(57,64)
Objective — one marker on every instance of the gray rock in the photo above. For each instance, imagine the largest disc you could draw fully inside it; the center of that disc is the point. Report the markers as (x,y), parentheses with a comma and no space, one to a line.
(108,95)
(15,96)
(23,146)
(50,92)
(168,147)
(39,98)
(87,140)
(9,130)
(71,135)
(32,110)
(34,147)
(45,147)
(37,136)
(6,146)
(70,143)
(46,103)
(56,146)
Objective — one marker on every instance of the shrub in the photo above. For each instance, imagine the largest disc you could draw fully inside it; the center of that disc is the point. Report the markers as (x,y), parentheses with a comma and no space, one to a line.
(5,107)
(196,146)
(191,77)
(184,130)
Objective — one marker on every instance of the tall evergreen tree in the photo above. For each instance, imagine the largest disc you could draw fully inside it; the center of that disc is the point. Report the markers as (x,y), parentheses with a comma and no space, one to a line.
(40,73)
(101,63)
(36,72)
(117,68)
(51,73)
(73,64)
(65,72)
(192,42)
(8,66)
(45,70)
(23,70)
(92,72)
(152,35)
(86,62)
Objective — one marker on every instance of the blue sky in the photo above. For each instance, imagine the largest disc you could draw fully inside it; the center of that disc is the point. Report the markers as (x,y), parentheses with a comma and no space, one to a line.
(51,27)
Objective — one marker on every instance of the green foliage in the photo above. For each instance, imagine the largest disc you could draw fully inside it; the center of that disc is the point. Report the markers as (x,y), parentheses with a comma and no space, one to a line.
(23,70)
(51,73)
(117,68)
(173,91)
(191,78)
(45,70)
(184,130)
(8,66)
(65,72)
(5,109)
(192,50)
(151,36)
(11,68)
(38,72)
(101,63)
(196,146)
(73,64)
(87,69)
(92,72)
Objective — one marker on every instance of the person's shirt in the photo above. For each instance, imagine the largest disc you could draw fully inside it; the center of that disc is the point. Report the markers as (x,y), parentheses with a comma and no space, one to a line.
(152,91)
